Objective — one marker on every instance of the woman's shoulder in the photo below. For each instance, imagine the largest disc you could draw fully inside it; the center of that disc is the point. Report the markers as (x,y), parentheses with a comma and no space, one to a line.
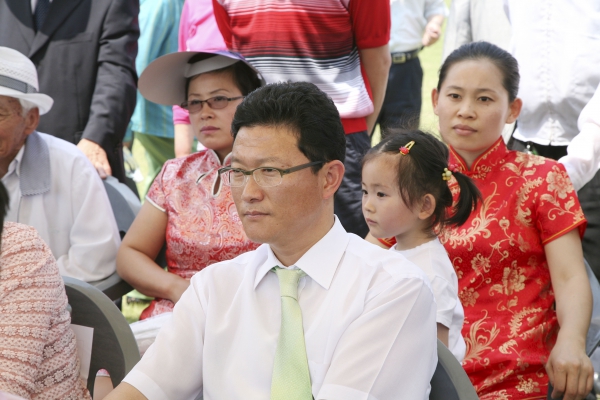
(536,164)
(179,168)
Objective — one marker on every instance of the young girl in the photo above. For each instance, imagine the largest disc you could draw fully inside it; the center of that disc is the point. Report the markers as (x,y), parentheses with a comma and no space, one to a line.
(522,281)
(406,196)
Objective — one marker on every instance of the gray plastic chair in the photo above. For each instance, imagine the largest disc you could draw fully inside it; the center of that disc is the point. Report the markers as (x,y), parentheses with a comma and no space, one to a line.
(114,347)
(125,206)
(450,381)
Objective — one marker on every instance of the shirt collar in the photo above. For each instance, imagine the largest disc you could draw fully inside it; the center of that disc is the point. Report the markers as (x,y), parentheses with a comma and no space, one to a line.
(34,168)
(494,153)
(14,165)
(320,262)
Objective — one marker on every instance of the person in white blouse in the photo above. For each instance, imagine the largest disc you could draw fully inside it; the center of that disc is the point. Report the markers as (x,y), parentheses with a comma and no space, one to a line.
(52,185)
(367,326)
(557,45)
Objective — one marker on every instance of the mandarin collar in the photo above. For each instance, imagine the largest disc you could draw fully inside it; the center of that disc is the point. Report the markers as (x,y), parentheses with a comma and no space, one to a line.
(491,156)
(320,262)
(213,159)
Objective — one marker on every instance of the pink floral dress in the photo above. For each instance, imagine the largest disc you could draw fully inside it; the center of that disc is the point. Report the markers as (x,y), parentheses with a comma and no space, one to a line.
(203,226)
(504,281)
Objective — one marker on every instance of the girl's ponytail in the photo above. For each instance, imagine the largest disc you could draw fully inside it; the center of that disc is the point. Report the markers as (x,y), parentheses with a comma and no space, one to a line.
(468,199)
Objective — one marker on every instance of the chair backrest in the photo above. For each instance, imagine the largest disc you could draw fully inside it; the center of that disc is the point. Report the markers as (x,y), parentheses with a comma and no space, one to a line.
(450,381)
(125,204)
(114,347)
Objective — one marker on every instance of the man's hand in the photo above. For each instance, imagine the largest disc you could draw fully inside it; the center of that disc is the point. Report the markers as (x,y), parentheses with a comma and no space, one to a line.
(570,370)
(97,157)
(433,30)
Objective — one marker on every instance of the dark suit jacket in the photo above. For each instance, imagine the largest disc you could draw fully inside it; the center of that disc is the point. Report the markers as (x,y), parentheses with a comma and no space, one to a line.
(85,58)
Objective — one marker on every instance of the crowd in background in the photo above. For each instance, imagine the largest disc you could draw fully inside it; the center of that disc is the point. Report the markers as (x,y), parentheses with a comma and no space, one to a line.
(503,218)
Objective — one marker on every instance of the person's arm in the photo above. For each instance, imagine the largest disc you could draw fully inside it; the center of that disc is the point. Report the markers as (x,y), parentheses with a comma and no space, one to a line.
(93,235)
(442,334)
(433,30)
(390,348)
(126,392)
(135,259)
(569,368)
(458,27)
(114,95)
(184,139)
(180,342)
(376,63)
(583,153)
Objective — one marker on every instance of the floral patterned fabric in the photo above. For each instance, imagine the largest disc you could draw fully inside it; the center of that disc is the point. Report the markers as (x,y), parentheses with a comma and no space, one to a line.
(38,353)
(203,225)
(504,282)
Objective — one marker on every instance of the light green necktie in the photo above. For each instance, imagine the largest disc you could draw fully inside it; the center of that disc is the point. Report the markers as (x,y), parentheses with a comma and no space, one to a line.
(291,378)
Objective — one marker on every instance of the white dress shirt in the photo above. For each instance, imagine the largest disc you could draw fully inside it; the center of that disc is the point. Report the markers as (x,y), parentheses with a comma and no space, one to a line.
(368,316)
(474,21)
(433,259)
(71,211)
(409,18)
(583,153)
(557,45)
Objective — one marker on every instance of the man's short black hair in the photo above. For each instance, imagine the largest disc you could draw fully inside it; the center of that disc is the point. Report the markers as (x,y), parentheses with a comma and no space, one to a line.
(305,110)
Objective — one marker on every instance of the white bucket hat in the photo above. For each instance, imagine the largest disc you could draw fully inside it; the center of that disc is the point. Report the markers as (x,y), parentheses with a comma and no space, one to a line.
(18,79)
(164,80)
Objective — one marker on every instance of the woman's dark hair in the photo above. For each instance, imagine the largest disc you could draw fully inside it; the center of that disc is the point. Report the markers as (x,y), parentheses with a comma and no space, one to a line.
(503,60)
(244,77)
(300,106)
(420,172)
(4,202)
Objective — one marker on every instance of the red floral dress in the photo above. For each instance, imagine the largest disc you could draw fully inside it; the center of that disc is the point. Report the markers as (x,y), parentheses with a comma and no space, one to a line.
(504,281)
(203,226)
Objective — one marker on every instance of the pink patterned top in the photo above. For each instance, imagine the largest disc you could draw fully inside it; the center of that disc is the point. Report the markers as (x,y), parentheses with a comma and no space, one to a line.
(203,226)
(38,355)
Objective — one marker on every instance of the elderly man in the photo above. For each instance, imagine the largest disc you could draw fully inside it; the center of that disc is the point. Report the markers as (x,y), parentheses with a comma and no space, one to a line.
(314,311)
(52,185)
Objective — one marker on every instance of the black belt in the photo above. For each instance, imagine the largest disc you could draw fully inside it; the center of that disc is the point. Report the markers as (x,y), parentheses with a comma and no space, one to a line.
(403,56)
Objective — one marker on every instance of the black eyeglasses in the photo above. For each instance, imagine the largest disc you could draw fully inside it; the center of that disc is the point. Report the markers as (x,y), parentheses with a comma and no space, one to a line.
(216,103)
(263,176)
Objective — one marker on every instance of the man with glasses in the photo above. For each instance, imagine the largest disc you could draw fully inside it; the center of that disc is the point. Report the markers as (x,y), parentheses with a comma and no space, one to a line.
(315,312)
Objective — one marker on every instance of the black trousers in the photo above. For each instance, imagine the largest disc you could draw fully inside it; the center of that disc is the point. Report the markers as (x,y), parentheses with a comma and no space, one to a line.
(589,197)
(348,199)
(402,103)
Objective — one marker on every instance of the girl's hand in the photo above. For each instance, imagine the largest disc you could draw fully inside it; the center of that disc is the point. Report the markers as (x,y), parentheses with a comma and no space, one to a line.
(569,369)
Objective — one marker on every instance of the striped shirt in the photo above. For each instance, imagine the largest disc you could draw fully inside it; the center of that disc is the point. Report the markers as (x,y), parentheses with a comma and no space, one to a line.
(315,41)
(159,24)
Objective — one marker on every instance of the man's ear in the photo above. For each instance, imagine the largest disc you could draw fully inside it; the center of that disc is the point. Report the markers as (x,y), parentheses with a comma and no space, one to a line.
(426,206)
(32,119)
(333,172)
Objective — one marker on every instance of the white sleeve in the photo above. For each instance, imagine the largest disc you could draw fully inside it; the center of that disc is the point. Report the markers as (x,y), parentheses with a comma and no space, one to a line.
(390,351)
(94,238)
(583,153)
(172,366)
(435,7)
(458,27)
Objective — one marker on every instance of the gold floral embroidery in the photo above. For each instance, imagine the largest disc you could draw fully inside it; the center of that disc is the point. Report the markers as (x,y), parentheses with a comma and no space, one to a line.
(478,226)
(517,320)
(508,347)
(478,341)
(527,386)
(480,263)
(513,280)
(559,182)
(468,297)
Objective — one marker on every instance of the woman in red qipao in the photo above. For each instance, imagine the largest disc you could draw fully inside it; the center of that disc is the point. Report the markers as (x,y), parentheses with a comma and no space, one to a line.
(520,251)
